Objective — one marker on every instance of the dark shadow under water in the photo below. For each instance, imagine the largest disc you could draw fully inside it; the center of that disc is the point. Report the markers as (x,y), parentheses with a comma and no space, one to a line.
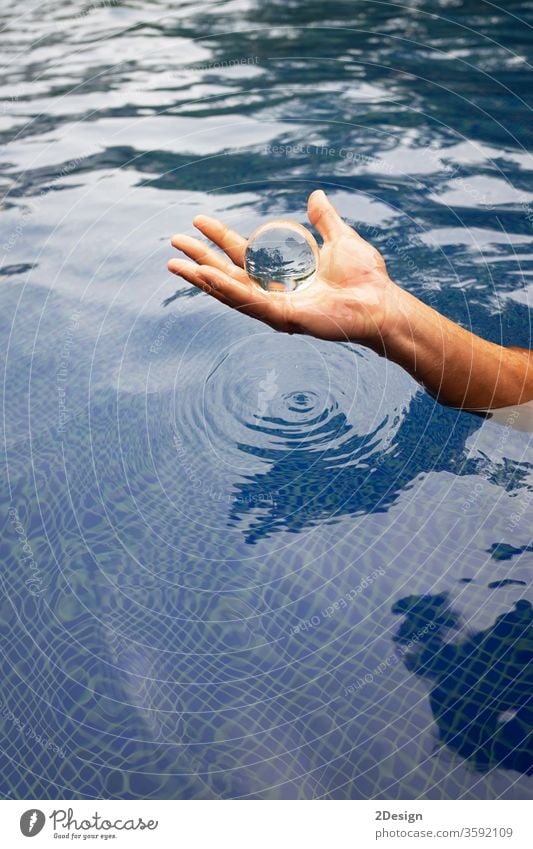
(304,486)
(481,698)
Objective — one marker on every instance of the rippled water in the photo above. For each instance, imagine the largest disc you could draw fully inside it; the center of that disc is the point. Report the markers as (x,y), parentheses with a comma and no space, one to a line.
(238,564)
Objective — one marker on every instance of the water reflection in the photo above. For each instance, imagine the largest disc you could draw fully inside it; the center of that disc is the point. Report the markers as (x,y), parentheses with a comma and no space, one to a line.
(504,551)
(351,473)
(481,697)
(162,632)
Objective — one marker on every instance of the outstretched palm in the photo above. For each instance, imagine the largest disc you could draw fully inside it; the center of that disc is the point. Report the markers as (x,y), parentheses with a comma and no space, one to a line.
(348,300)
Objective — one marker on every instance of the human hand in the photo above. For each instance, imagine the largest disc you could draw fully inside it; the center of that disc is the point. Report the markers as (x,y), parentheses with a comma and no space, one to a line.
(352,298)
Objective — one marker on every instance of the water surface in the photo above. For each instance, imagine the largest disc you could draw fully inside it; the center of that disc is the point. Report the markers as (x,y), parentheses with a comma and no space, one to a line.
(238,564)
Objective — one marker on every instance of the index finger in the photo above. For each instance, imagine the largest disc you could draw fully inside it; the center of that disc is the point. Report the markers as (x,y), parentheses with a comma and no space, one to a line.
(230,241)
(250,300)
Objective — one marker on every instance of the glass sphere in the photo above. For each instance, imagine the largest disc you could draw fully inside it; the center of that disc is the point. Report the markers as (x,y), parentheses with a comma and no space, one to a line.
(281,256)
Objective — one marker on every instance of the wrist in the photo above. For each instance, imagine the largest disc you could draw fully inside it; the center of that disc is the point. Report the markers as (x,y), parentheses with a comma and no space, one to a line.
(395,332)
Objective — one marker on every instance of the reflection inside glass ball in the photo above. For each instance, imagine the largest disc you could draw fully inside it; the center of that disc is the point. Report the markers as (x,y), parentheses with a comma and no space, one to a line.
(281,256)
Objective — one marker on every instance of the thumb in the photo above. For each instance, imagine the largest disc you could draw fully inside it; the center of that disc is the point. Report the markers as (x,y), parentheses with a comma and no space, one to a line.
(323,215)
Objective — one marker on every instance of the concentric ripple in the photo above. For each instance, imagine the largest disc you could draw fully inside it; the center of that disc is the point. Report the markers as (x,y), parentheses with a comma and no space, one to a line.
(265,402)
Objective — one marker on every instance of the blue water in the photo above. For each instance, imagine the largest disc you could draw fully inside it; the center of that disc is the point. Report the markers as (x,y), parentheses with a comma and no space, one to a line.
(235,563)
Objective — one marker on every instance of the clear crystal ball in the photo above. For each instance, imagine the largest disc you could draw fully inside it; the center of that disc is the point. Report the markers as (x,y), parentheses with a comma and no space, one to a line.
(281,256)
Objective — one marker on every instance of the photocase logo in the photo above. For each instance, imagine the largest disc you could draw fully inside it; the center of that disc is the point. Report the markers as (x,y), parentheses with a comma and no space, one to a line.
(32,822)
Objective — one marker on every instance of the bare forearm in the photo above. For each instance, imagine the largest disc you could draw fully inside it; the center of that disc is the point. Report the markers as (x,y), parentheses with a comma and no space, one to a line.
(456,366)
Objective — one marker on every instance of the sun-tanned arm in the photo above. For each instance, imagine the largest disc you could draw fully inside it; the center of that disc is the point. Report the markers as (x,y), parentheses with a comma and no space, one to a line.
(354,299)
